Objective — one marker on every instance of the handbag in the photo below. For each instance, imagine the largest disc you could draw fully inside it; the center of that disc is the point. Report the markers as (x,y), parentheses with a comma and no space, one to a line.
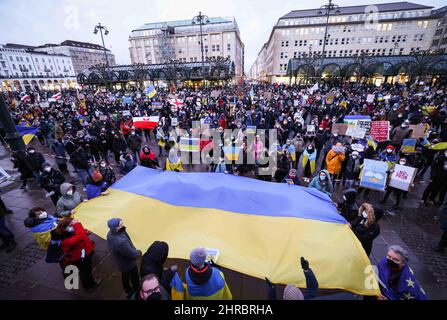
(54,252)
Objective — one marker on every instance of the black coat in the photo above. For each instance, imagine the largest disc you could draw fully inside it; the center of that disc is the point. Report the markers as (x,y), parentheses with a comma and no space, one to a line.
(35,161)
(366,235)
(134,142)
(152,263)
(51,181)
(80,159)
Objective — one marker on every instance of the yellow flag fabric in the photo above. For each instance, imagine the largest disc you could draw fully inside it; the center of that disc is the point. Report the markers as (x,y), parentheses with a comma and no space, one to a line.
(240,217)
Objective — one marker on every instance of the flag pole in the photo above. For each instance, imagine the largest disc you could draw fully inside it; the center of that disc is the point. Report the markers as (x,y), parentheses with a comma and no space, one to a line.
(12,137)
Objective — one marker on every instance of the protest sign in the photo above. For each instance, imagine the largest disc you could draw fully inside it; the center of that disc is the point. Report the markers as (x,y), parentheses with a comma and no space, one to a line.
(251,130)
(311,129)
(409,146)
(232,153)
(296,103)
(374,175)
(339,129)
(365,124)
(356,132)
(174,122)
(126,113)
(330,98)
(148,123)
(215,93)
(127,100)
(402,177)
(157,105)
(380,130)
(212,254)
(370,98)
(44,104)
(353,120)
(418,131)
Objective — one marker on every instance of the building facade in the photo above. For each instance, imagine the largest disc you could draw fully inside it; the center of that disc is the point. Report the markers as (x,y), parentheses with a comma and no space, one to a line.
(22,68)
(158,43)
(83,54)
(386,29)
(440,37)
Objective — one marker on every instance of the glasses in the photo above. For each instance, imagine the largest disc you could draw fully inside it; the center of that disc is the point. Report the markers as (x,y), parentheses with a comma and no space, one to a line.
(151,291)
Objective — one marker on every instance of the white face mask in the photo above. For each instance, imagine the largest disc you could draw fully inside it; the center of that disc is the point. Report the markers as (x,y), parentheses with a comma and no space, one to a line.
(43,215)
(389,151)
(344,198)
(70,229)
(32,152)
(103,165)
(364,215)
(69,192)
(403,163)
(322,177)
(48,169)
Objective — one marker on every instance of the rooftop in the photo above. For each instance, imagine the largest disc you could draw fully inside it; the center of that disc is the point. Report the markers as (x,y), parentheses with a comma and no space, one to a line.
(72,43)
(384,7)
(181,23)
(18,46)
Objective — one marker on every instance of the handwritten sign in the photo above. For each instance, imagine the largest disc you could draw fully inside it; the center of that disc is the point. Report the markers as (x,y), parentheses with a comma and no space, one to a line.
(402,177)
(339,129)
(370,98)
(356,132)
(418,131)
(380,130)
(374,175)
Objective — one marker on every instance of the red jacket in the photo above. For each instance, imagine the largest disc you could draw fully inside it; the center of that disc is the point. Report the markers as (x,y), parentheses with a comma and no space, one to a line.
(126,127)
(223,123)
(72,246)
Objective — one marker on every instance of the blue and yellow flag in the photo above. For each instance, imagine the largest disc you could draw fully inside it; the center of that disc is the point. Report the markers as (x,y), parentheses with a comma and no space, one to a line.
(27,133)
(240,217)
(150,92)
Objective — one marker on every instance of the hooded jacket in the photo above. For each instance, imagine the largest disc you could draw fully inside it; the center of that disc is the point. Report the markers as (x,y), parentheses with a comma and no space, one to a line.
(72,246)
(67,203)
(334,161)
(94,189)
(124,252)
(349,208)
(153,261)
(318,184)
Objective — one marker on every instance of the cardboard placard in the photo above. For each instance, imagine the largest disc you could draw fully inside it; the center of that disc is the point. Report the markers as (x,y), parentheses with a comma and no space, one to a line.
(374,175)
(370,98)
(339,129)
(419,131)
(356,132)
(402,177)
(380,130)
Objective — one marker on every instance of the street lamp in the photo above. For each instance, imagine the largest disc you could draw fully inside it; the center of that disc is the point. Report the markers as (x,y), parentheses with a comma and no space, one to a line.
(106,32)
(326,10)
(201,20)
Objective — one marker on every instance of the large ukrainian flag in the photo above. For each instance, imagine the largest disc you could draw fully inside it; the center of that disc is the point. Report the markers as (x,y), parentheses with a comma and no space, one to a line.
(261,228)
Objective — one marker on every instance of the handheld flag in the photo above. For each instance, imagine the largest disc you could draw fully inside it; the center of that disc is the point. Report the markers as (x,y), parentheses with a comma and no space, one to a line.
(56,96)
(409,146)
(150,92)
(235,214)
(27,133)
(25,98)
(149,123)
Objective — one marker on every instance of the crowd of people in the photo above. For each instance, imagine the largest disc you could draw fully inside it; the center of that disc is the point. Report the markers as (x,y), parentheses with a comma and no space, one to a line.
(94,132)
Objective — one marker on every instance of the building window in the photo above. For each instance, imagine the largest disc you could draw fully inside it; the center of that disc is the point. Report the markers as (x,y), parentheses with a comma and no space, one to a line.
(14,66)
(228,47)
(217,47)
(444,41)
(435,42)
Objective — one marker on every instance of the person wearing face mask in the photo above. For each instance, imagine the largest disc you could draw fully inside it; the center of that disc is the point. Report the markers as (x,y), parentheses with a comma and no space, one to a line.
(77,250)
(151,290)
(309,161)
(334,160)
(134,142)
(397,192)
(438,178)
(148,158)
(69,200)
(50,180)
(41,224)
(125,255)
(96,186)
(323,183)
(352,170)
(365,226)
(397,280)
(349,208)
(119,146)
(35,161)
(107,172)
(400,133)
(389,156)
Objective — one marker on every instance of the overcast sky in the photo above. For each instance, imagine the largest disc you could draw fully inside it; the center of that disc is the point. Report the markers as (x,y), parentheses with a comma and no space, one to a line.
(53,21)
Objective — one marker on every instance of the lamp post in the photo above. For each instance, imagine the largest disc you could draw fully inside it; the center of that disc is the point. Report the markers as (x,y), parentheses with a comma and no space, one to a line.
(326,10)
(106,32)
(201,20)
(12,137)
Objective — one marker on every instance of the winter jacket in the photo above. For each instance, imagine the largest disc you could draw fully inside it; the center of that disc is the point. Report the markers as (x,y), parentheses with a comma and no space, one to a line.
(67,203)
(59,150)
(72,247)
(399,134)
(208,284)
(334,162)
(134,142)
(365,234)
(352,170)
(119,145)
(94,190)
(80,159)
(325,187)
(124,252)
(439,169)
(35,161)
(108,175)
(51,181)
(349,208)
(149,160)
(152,263)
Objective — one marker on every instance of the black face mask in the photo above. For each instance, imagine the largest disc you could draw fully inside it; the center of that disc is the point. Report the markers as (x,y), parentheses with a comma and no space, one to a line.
(154,296)
(393,265)
(123,229)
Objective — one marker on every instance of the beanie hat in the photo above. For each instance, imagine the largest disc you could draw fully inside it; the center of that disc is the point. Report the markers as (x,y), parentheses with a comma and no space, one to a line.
(292,293)
(96,176)
(113,223)
(390,147)
(198,257)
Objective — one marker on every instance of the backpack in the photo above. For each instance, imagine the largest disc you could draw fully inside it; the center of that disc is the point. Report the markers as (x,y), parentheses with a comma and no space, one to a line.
(54,252)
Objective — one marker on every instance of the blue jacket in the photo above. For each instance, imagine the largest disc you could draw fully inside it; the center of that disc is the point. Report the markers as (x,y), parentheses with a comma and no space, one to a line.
(94,191)
(316,183)
(408,287)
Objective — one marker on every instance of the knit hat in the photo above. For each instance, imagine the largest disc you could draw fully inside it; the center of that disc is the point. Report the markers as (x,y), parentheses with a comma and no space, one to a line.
(390,147)
(293,293)
(113,223)
(96,176)
(198,257)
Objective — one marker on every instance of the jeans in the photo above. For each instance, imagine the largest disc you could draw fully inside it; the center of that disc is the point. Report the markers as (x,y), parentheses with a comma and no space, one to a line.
(83,174)
(5,234)
(131,280)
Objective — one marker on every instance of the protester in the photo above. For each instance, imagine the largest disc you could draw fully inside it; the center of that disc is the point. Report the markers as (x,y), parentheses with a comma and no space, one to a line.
(107,173)
(334,160)
(292,178)
(309,161)
(35,161)
(397,280)
(323,183)
(125,255)
(203,281)
(148,158)
(151,290)
(438,178)
(365,226)
(174,163)
(50,180)
(6,235)
(349,208)
(41,224)
(69,200)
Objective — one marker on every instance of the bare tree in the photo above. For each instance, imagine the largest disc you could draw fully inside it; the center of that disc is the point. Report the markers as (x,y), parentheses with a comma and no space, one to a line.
(422,62)
(139,74)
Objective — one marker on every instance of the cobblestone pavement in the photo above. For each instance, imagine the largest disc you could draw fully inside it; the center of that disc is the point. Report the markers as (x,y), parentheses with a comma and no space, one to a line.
(25,275)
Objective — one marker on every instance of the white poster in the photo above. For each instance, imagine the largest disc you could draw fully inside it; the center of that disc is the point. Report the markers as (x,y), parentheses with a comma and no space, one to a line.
(402,177)
(370,98)
(356,132)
